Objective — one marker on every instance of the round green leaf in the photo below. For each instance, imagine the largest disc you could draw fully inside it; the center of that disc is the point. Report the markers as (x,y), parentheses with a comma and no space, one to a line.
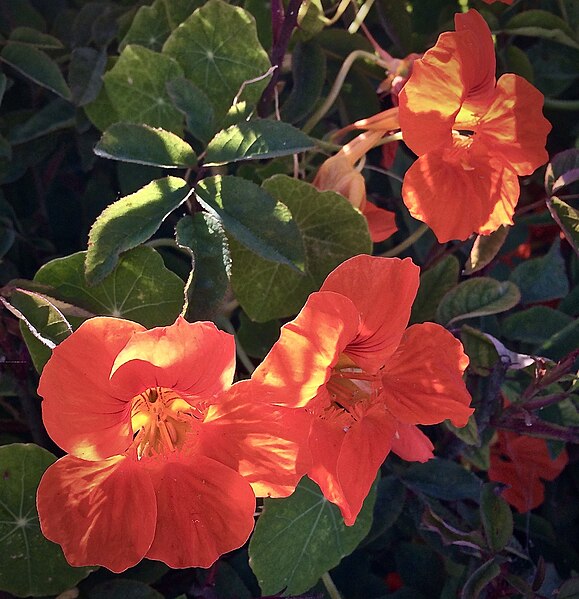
(30,565)
(136,88)
(332,231)
(477,297)
(140,288)
(218,48)
(258,138)
(131,142)
(299,538)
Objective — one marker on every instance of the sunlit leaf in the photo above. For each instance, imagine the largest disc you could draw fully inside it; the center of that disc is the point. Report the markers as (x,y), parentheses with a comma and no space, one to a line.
(485,248)
(567,218)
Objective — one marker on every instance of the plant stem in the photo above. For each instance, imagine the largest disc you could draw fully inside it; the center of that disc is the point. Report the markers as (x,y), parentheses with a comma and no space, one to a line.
(398,249)
(342,74)
(557,104)
(330,586)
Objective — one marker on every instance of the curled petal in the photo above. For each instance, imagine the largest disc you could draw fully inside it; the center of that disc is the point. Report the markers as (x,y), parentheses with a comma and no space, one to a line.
(205,509)
(381,223)
(309,346)
(411,444)
(423,379)
(368,282)
(338,174)
(345,462)
(267,445)
(514,125)
(81,410)
(101,513)
(459,192)
(177,357)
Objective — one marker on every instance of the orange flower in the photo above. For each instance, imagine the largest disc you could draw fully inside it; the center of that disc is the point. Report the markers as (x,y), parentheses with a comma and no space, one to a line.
(473,135)
(365,380)
(339,174)
(521,462)
(142,415)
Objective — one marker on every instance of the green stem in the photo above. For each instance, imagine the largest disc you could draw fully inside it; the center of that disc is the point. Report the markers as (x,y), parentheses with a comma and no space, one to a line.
(342,74)
(556,104)
(407,242)
(330,586)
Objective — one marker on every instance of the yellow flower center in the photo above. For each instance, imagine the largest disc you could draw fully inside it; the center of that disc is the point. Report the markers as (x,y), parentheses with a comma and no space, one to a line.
(161,420)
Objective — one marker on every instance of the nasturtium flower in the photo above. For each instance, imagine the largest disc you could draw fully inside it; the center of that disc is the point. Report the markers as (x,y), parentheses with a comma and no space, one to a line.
(365,379)
(523,463)
(473,135)
(338,173)
(162,450)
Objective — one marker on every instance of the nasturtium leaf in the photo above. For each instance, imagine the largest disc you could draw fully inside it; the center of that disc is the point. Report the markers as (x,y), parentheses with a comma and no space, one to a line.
(485,248)
(253,217)
(56,115)
(218,48)
(542,279)
(442,479)
(299,538)
(479,348)
(309,74)
(132,142)
(562,170)
(136,88)
(496,517)
(129,222)
(434,283)
(37,66)
(101,112)
(258,138)
(204,236)
(30,565)
(153,24)
(28,35)
(195,105)
(140,288)
(332,231)
(85,72)
(123,589)
(477,297)
(567,218)
(479,579)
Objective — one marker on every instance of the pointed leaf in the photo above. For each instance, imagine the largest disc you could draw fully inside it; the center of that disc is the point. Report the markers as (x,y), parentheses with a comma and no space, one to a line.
(496,517)
(129,222)
(567,218)
(28,35)
(485,248)
(258,138)
(479,579)
(332,231)
(254,218)
(37,66)
(203,235)
(562,170)
(85,72)
(477,297)
(54,116)
(478,347)
(29,564)
(131,142)
(299,538)
(140,288)
(136,88)
(218,48)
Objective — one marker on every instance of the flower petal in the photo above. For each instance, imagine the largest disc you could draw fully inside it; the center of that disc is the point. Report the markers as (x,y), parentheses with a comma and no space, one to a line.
(382,289)
(381,223)
(176,357)
(309,346)
(204,509)
(514,125)
(457,197)
(101,513)
(267,445)
(411,444)
(338,174)
(345,463)
(423,379)
(81,410)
